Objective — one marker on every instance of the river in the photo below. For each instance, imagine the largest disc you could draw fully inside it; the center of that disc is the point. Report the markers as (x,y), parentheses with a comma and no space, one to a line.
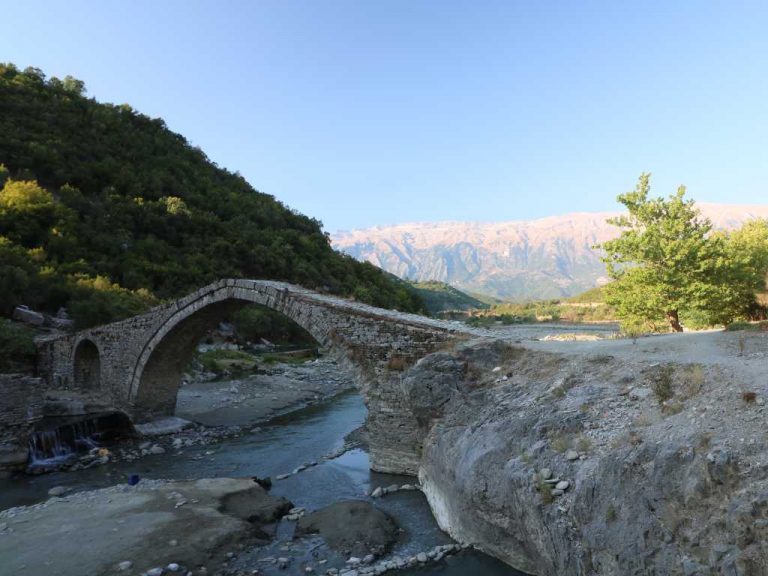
(278,447)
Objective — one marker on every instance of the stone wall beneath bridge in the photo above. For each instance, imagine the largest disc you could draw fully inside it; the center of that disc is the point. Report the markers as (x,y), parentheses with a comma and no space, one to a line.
(136,365)
(21,407)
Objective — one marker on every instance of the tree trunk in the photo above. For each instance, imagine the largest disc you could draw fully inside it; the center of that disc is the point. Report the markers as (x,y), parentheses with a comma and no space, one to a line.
(674,321)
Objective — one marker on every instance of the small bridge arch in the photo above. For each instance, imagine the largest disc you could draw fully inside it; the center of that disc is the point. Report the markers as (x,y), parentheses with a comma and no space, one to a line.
(86,365)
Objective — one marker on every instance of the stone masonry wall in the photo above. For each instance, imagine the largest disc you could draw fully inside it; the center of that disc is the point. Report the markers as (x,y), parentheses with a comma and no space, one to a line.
(141,359)
(21,406)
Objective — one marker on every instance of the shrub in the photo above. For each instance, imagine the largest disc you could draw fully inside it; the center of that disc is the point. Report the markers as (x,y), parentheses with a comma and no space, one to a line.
(661,384)
(583,443)
(397,363)
(17,346)
(545,491)
(692,381)
(559,442)
(749,397)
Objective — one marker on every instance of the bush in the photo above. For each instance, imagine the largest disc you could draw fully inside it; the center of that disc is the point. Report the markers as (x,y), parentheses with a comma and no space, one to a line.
(17,346)
(661,384)
(253,323)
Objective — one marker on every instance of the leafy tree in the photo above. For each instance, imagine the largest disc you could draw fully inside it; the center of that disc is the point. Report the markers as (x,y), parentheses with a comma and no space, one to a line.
(656,263)
(667,264)
(741,271)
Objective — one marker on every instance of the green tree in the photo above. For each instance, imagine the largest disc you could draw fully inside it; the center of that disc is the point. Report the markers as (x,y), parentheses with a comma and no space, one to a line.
(661,262)
(741,272)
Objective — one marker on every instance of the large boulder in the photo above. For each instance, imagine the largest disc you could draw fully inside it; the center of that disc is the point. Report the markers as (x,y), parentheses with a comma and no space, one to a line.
(352,527)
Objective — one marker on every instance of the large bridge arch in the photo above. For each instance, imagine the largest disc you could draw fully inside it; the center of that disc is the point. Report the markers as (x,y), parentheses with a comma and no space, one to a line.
(141,359)
(159,369)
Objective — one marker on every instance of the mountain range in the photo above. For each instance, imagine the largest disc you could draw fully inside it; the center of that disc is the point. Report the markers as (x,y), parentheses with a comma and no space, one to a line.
(550,257)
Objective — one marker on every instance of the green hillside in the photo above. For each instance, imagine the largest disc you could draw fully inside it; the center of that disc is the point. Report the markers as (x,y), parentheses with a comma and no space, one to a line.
(591,296)
(439,297)
(107,211)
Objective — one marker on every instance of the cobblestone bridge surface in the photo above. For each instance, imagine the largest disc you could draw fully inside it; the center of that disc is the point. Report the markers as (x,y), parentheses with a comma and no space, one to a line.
(136,365)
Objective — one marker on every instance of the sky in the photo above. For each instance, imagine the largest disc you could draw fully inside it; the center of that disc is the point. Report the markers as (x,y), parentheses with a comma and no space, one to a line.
(363,113)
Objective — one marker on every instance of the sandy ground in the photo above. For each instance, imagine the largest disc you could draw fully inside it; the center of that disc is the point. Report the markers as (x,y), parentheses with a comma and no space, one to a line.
(258,397)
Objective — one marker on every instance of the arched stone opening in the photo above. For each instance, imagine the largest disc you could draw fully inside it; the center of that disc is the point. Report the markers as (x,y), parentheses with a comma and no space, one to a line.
(87,366)
(162,373)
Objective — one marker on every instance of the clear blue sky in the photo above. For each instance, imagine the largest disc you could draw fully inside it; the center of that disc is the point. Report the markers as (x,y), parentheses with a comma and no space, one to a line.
(361,113)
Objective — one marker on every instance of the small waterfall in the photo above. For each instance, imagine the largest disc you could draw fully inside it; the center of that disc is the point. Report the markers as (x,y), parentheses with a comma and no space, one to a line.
(63,444)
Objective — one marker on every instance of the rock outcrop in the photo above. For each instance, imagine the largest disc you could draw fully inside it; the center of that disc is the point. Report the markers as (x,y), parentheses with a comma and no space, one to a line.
(352,527)
(558,464)
(155,524)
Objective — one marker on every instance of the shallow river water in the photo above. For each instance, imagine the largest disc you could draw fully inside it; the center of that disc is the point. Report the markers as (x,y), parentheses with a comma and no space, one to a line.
(276,448)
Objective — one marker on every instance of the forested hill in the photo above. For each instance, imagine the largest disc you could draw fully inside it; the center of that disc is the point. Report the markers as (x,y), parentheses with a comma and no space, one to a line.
(105,210)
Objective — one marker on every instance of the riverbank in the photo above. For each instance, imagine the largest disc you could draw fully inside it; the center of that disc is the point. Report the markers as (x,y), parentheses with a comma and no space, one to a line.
(320,449)
(275,389)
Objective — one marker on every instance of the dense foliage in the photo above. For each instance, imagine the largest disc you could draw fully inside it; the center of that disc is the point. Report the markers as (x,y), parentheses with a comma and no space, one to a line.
(105,210)
(17,347)
(441,297)
(254,323)
(669,267)
(569,310)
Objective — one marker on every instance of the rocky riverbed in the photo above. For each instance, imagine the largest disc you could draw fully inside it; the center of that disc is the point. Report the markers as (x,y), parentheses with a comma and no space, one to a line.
(273,390)
(317,462)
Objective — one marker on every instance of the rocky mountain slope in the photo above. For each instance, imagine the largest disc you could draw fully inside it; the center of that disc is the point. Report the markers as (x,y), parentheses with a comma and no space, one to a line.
(546,258)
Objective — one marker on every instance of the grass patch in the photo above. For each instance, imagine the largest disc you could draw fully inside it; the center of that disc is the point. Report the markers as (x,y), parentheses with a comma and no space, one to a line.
(583,443)
(220,360)
(558,442)
(288,357)
(747,326)
(545,491)
(671,407)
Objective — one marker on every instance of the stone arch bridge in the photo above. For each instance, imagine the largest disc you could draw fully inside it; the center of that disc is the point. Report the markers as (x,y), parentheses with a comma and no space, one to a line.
(136,365)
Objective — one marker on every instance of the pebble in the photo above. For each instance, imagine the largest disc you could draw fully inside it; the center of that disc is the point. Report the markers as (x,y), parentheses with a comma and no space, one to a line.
(125,565)
(154,572)
(157,450)
(378,492)
(572,455)
(545,473)
(57,491)
(173,567)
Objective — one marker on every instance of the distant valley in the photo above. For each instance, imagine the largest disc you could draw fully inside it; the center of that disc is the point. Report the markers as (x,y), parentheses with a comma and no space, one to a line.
(519,260)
